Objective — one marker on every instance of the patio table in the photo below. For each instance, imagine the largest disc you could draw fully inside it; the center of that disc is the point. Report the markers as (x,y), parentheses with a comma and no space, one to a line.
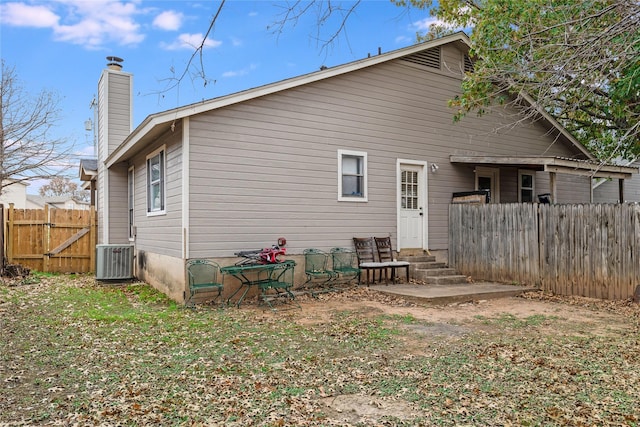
(265,277)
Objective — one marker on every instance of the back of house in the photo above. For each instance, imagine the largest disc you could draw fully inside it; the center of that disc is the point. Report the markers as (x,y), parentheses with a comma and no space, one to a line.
(368,148)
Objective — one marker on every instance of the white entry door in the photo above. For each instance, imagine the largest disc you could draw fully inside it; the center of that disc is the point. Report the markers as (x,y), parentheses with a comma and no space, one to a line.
(412,206)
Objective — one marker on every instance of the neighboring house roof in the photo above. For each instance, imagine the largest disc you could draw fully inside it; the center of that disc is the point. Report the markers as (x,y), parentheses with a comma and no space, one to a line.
(88,169)
(156,124)
(8,182)
(54,201)
(36,200)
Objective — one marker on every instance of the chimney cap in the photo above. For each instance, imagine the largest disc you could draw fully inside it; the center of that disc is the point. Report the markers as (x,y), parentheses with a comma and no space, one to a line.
(114,62)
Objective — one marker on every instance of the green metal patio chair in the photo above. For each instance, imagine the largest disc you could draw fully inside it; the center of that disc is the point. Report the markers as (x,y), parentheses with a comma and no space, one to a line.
(280,280)
(343,264)
(315,267)
(203,278)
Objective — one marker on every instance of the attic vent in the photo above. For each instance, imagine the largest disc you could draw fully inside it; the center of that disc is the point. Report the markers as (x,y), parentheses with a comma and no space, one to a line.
(468,64)
(427,58)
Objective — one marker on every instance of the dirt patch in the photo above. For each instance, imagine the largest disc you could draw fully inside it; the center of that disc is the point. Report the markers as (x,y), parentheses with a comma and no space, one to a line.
(316,310)
(353,409)
(454,320)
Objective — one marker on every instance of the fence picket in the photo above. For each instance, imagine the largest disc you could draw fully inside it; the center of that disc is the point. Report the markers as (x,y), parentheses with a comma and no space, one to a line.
(33,233)
(589,250)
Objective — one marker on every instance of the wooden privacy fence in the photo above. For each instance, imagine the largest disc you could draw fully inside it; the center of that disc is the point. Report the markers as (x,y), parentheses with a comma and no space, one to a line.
(51,240)
(586,250)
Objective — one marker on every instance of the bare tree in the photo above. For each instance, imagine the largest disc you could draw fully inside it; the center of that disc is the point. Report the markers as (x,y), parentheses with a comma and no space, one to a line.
(331,18)
(328,14)
(196,71)
(62,186)
(578,60)
(28,151)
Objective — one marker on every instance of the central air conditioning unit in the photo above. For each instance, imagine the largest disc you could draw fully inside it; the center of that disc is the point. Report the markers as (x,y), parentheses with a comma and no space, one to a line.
(114,262)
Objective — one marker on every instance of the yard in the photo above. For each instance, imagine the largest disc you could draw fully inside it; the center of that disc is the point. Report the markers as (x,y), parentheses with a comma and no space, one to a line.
(73,352)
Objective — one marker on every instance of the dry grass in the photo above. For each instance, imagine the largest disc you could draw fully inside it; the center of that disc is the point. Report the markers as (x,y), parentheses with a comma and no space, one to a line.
(77,353)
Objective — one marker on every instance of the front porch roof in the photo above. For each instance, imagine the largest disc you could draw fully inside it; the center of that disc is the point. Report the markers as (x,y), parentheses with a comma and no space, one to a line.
(563,165)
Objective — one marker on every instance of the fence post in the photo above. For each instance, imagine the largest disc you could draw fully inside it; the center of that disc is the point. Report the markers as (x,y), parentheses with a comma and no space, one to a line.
(46,234)
(92,240)
(9,235)
(2,241)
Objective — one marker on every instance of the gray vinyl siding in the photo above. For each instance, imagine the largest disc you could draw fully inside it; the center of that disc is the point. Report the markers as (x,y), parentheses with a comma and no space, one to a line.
(119,109)
(118,223)
(267,167)
(607,192)
(114,125)
(102,154)
(160,234)
(573,189)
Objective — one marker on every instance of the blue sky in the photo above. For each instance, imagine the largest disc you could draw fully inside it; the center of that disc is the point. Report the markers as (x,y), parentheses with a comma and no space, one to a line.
(61,45)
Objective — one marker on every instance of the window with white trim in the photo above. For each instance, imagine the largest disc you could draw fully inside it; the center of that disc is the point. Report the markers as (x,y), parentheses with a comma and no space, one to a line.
(352,176)
(526,186)
(130,200)
(156,182)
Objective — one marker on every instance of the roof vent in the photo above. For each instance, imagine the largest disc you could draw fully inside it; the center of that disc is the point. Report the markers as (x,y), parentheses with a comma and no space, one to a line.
(115,63)
(428,58)
(468,64)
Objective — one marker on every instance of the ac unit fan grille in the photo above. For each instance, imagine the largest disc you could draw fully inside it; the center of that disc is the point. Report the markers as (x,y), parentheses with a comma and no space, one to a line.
(114,262)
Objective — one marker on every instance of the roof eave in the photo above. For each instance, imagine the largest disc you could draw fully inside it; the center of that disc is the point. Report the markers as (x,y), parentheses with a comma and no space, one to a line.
(154,120)
(553,164)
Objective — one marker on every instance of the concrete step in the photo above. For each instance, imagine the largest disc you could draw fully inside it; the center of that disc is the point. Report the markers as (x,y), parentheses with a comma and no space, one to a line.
(445,280)
(427,265)
(433,272)
(412,252)
(413,259)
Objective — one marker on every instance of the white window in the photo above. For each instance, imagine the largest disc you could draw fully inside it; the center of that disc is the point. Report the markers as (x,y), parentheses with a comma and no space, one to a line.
(156,183)
(352,176)
(130,200)
(526,186)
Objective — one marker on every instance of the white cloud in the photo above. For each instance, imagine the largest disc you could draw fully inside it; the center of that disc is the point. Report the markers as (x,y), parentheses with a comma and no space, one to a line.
(424,24)
(23,15)
(84,152)
(239,73)
(91,24)
(403,39)
(169,20)
(190,41)
(100,22)
(236,41)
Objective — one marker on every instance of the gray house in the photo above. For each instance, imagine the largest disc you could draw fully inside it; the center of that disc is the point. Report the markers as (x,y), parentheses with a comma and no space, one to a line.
(362,149)
(608,191)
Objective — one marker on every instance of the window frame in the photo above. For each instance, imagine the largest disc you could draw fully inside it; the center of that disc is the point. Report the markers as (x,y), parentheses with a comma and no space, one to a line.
(161,181)
(363,156)
(131,191)
(532,173)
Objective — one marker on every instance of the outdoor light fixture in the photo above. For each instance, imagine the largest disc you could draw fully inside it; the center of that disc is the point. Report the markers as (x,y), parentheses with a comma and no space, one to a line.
(434,167)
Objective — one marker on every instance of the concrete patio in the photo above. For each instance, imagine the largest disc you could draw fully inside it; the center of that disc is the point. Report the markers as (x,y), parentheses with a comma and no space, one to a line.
(447,294)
